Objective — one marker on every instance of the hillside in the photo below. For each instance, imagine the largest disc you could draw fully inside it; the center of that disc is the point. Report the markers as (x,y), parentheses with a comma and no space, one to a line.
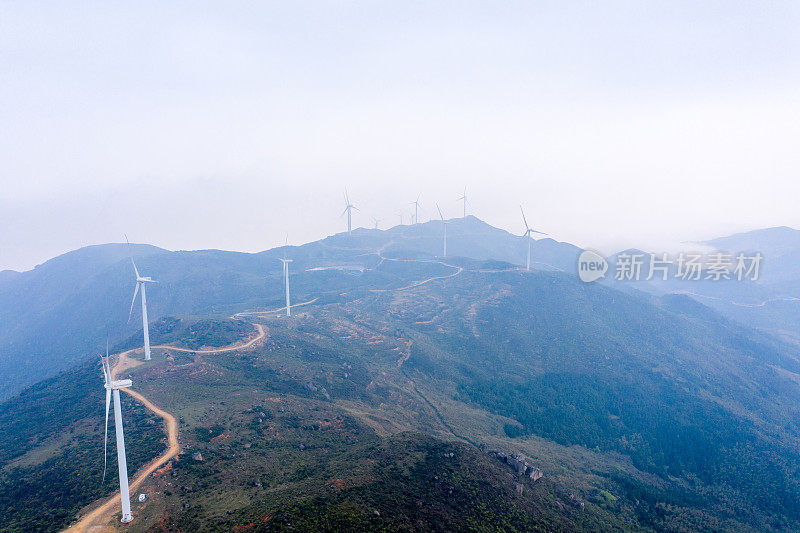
(641,414)
(51,316)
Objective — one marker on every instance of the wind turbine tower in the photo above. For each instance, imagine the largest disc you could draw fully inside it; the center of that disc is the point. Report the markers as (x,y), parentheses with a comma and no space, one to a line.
(141,282)
(444,223)
(286,277)
(348,209)
(112,388)
(376,221)
(464,198)
(527,235)
(415,203)
(286,284)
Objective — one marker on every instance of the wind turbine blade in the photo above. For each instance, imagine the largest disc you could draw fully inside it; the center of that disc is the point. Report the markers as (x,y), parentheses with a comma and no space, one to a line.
(440,212)
(135,292)
(523,217)
(105,372)
(539,232)
(105,439)
(130,254)
(345,211)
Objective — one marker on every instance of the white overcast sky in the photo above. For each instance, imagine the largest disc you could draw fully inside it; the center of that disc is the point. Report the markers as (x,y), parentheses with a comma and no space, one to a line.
(226,125)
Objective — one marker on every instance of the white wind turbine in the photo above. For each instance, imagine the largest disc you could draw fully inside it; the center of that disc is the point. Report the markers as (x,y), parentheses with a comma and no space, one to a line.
(527,235)
(464,198)
(286,279)
(444,223)
(401,218)
(348,209)
(376,221)
(415,203)
(141,282)
(112,388)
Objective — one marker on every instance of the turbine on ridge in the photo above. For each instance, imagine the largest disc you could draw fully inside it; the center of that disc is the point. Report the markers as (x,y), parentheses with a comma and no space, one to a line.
(415,203)
(286,279)
(464,198)
(112,389)
(348,209)
(444,223)
(527,235)
(141,281)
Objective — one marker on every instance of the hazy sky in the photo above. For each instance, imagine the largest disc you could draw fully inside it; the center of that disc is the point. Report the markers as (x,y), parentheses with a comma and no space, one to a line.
(225,125)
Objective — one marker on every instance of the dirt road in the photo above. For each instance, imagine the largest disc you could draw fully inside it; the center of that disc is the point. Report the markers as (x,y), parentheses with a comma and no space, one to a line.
(98,519)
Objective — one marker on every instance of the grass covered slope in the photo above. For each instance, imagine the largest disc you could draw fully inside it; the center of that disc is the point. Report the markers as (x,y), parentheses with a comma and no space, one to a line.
(383,410)
(51,449)
(699,400)
(317,428)
(51,316)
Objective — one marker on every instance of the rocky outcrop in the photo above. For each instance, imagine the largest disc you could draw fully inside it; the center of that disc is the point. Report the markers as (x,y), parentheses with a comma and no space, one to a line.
(520,464)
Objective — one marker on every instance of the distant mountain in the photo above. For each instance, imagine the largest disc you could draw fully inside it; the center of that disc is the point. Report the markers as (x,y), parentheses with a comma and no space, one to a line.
(772,302)
(49,315)
(473,238)
(8,275)
(59,312)
(777,241)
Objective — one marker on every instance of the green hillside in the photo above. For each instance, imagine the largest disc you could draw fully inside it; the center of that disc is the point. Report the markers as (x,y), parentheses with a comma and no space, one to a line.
(51,316)
(641,414)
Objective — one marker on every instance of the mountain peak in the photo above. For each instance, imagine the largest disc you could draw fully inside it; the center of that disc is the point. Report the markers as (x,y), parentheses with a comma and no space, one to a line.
(775,241)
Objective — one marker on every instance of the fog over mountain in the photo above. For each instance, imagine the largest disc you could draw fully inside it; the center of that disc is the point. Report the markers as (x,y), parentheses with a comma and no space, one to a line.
(399,266)
(617,125)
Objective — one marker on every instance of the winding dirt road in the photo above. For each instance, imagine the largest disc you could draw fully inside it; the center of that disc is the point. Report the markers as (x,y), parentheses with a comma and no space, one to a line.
(458,271)
(273,311)
(98,519)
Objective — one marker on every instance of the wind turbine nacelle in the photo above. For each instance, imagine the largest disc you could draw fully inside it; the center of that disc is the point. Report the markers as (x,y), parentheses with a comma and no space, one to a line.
(145,280)
(121,384)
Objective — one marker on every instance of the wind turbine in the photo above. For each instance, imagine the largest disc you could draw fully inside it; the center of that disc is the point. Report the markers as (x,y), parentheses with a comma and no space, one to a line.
(286,279)
(112,388)
(444,223)
(416,209)
(401,218)
(527,234)
(141,282)
(348,208)
(464,198)
(376,220)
